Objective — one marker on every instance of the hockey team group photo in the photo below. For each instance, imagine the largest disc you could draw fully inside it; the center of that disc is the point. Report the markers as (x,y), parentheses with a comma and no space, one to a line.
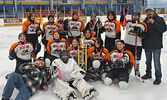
(73,58)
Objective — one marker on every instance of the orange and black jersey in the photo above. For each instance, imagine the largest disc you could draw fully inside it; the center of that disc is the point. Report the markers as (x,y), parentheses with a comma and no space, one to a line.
(74,52)
(21,51)
(130,35)
(89,42)
(30,27)
(75,27)
(126,57)
(48,29)
(54,48)
(112,29)
(95,54)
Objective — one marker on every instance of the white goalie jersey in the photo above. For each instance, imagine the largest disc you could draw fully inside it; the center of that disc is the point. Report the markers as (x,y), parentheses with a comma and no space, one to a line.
(66,69)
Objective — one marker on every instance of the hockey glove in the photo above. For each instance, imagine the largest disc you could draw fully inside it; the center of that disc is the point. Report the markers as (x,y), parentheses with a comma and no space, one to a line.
(118,64)
(128,65)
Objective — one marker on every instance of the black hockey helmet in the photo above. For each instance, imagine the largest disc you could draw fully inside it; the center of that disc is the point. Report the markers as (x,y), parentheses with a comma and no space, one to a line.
(62,56)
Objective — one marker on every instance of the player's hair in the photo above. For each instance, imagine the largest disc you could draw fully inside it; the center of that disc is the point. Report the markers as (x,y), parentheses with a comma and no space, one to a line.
(30,15)
(113,14)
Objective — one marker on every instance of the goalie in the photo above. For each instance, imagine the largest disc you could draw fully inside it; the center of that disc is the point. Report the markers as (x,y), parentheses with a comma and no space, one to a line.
(68,74)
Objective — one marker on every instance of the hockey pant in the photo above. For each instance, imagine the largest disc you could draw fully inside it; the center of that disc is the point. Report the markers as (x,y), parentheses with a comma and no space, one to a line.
(139,52)
(109,43)
(121,74)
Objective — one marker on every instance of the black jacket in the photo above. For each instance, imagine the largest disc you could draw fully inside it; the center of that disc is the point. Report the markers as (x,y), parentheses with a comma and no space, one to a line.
(153,39)
(89,26)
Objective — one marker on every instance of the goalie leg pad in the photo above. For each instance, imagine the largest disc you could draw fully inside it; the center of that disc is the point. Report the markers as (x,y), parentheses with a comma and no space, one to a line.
(86,91)
(64,91)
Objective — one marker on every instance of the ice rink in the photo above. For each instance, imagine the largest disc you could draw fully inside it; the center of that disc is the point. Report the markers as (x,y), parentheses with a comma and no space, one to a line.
(135,91)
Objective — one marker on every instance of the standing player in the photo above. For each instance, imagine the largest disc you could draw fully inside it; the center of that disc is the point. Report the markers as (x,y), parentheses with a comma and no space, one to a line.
(95,26)
(112,30)
(71,75)
(32,30)
(48,29)
(75,27)
(135,32)
(60,23)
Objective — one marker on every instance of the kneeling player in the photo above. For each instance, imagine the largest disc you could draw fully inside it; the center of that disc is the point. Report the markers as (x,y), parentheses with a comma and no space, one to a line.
(71,76)
(121,61)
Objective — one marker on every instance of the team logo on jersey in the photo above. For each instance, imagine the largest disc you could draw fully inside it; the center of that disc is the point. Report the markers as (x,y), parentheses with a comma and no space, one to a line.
(25,52)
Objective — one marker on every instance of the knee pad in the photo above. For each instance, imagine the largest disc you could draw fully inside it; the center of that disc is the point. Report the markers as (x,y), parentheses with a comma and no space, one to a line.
(103,76)
(96,64)
(107,81)
(47,62)
(123,85)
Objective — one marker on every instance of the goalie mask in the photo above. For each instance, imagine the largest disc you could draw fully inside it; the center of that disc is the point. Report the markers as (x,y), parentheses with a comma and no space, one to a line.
(135,17)
(64,56)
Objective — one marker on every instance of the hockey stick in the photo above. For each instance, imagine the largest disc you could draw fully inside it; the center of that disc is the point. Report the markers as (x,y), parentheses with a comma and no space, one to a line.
(124,19)
(137,77)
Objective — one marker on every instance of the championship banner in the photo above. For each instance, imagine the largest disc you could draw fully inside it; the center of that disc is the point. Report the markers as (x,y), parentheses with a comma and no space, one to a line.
(12,21)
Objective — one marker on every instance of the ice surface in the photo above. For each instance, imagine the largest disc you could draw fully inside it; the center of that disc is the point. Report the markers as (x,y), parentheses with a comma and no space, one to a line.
(135,91)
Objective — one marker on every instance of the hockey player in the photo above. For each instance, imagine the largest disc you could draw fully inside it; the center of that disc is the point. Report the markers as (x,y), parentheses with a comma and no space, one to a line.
(60,23)
(121,62)
(95,26)
(97,58)
(32,30)
(89,41)
(75,27)
(73,49)
(22,51)
(69,75)
(135,32)
(112,30)
(32,79)
(48,29)
(54,47)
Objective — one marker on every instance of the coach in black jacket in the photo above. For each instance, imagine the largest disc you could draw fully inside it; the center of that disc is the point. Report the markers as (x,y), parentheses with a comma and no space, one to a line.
(152,43)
